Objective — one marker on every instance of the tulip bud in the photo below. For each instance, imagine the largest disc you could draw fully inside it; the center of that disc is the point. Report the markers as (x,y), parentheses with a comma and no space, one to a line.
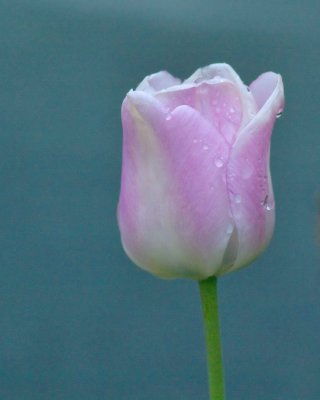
(196,194)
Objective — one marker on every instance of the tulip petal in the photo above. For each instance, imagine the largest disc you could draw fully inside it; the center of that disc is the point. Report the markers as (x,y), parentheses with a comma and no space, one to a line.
(217,100)
(159,81)
(225,71)
(263,87)
(174,211)
(248,175)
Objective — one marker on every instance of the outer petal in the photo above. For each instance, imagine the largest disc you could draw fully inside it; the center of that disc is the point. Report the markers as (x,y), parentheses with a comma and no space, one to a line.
(225,71)
(217,100)
(173,212)
(263,87)
(159,81)
(248,176)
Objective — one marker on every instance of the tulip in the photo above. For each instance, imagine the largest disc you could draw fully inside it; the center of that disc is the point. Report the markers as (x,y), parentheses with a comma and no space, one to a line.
(196,194)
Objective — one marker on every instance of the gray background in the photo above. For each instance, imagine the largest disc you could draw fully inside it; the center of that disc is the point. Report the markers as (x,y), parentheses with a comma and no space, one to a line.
(78,320)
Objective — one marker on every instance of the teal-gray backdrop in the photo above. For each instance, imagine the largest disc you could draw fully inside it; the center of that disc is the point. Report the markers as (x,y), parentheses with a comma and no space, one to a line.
(78,321)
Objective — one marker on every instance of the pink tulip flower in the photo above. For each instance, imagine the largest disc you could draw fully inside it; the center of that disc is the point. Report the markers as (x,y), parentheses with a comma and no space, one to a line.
(196,194)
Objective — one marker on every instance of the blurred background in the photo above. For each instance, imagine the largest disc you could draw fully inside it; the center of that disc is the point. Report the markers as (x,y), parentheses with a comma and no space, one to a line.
(78,320)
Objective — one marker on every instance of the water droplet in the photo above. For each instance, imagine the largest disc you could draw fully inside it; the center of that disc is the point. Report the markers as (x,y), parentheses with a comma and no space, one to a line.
(195,140)
(229,229)
(247,170)
(232,110)
(248,89)
(218,162)
(279,114)
(229,131)
(205,147)
(237,198)
(202,89)
(268,205)
(168,117)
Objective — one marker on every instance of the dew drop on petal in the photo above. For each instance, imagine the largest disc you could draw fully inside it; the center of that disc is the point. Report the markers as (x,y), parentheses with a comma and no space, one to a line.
(168,117)
(229,131)
(237,198)
(205,147)
(279,114)
(229,229)
(203,89)
(218,162)
(247,170)
(267,204)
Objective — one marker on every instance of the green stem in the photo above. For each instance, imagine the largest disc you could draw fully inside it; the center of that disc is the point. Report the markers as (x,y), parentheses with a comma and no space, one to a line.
(209,298)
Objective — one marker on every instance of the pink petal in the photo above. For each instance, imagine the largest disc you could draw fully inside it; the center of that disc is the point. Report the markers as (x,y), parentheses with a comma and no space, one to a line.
(217,100)
(225,71)
(173,211)
(263,87)
(159,81)
(249,180)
